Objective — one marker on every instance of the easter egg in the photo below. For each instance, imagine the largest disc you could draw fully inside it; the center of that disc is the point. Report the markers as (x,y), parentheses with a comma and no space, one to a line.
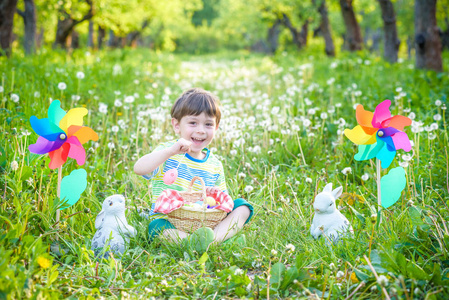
(210,201)
(170,176)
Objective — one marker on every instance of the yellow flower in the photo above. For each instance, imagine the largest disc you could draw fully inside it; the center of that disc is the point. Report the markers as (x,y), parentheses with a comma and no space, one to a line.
(354,278)
(43,262)
(119,113)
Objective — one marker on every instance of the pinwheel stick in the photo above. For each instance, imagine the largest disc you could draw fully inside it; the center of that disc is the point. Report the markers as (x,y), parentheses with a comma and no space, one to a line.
(59,194)
(378,169)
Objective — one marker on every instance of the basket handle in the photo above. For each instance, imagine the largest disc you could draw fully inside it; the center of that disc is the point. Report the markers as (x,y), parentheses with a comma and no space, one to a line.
(203,185)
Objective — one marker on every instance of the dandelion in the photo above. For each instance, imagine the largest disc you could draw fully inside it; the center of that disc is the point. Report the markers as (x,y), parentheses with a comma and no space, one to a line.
(437,117)
(331,266)
(15,98)
(118,103)
(75,98)
(273,252)
(275,110)
(432,136)
(1,89)
(340,274)
(43,262)
(116,70)
(37,94)
(115,128)
(129,99)
(249,189)
(346,171)
(290,248)
(242,175)
(438,102)
(309,180)
(365,177)
(80,75)
(144,130)
(14,165)
(306,122)
(412,115)
(403,164)
(382,280)
(103,108)
(149,96)
(238,272)
(323,116)
(62,86)
(434,126)
(111,145)
(233,152)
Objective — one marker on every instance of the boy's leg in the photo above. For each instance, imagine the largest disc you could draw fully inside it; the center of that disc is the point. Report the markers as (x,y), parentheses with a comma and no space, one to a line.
(174,235)
(164,227)
(232,224)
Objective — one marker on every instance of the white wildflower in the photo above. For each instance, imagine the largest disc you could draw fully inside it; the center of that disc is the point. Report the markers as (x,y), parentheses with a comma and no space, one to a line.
(15,98)
(80,75)
(249,189)
(382,280)
(347,171)
(62,86)
(14,165)
(365,177)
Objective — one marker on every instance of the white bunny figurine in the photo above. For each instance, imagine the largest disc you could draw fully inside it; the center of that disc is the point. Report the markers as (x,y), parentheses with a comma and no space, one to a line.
(328,219)
(111,222)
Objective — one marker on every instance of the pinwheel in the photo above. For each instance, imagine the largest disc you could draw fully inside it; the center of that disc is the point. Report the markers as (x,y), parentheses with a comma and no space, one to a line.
(379,135)
(62,135)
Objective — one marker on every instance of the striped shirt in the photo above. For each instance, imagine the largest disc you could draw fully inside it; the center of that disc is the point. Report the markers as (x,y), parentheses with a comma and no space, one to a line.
(210,169)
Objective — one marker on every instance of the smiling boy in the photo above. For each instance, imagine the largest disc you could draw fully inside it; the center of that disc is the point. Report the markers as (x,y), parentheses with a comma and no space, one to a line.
(195,119)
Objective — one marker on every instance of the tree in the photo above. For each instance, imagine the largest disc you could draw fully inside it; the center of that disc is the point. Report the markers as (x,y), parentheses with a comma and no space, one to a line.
(66,22)
(391,42)
(353,36)
(7,11)
(427,39)
(29,19)
(325,29)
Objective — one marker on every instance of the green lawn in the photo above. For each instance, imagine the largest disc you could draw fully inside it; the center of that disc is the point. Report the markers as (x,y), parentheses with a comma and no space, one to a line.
(280,141)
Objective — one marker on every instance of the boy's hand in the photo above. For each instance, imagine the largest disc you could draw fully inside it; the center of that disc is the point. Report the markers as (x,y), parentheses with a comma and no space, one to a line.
(181,146)
(212,190)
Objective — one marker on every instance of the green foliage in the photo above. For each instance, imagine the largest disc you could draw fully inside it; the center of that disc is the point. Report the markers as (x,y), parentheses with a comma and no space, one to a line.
(280,140)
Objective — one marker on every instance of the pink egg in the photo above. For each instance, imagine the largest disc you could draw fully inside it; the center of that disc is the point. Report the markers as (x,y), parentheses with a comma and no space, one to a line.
(170,176)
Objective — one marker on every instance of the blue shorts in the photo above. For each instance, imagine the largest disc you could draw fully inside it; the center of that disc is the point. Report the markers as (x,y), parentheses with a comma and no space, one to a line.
(158,225)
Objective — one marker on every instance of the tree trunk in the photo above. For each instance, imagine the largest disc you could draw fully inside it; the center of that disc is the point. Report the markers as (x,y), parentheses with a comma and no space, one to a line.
(391,40)
(299,37)
(40,38)
(100,37)
(67,23)
(7,11)
(325,30)
(29,19)
(75,40)
(90,35)
(114,41)
(132,37)
(273,36)
(353,36)
(427,38)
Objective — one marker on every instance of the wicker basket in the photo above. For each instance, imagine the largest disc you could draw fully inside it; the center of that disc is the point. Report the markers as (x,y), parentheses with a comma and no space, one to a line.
(189,219)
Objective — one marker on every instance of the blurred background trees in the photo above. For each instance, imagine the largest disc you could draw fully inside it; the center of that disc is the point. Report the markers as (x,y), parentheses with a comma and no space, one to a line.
(386,27)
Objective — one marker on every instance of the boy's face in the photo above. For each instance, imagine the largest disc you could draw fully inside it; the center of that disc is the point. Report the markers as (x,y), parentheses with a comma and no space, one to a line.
(200,130)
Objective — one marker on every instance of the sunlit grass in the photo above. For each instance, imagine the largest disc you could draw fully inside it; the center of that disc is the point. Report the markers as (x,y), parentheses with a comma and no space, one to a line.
(280,140)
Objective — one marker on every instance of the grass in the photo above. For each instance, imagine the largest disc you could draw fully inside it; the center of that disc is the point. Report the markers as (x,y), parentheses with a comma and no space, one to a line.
(278,148)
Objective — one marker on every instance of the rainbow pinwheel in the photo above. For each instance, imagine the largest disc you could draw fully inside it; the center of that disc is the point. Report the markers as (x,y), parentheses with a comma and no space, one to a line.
(62,135)
(379,134)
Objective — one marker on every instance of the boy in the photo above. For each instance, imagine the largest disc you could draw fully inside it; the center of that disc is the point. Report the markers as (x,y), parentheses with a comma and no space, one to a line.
(195,119)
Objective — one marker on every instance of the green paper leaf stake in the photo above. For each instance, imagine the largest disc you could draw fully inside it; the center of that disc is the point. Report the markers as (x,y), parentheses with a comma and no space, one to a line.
(72,186)
(392,186)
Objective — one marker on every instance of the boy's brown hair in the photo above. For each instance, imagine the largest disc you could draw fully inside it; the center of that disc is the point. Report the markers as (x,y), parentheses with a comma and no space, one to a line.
(195,101)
